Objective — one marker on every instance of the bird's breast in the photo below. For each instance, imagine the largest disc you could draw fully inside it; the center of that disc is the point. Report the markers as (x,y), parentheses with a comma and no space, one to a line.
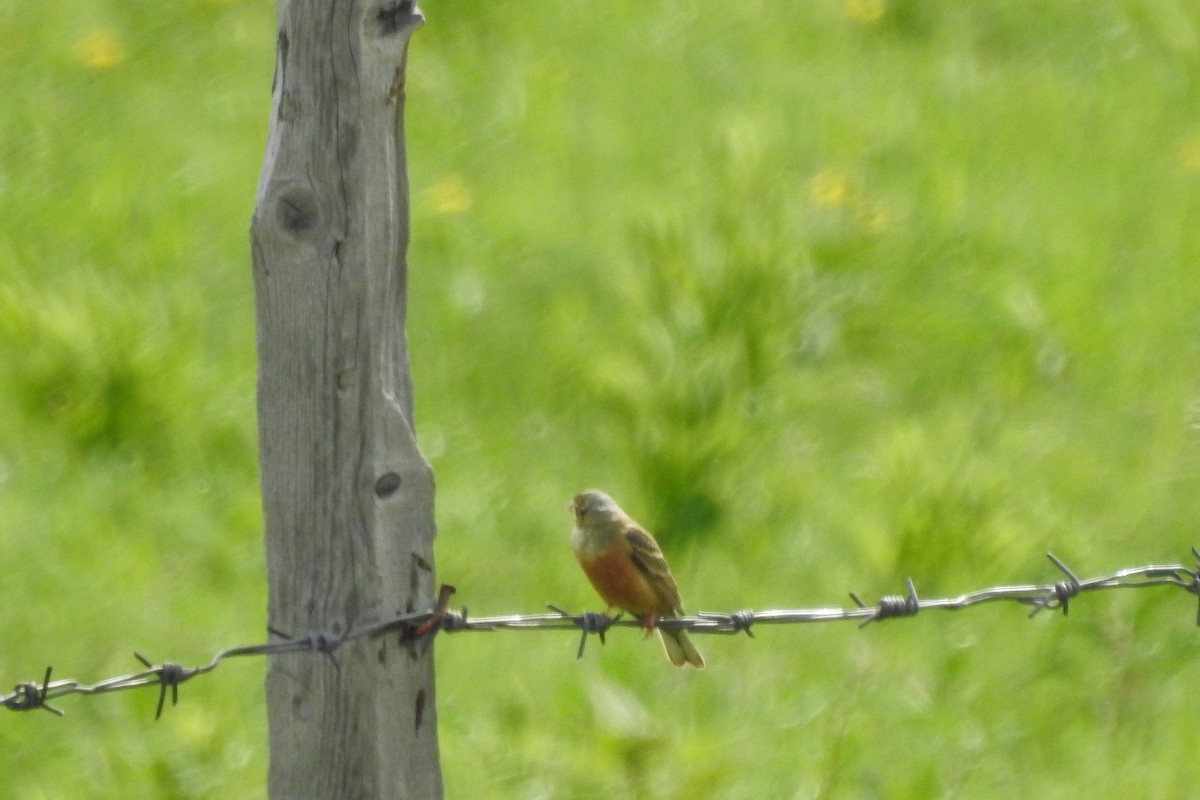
(619,581)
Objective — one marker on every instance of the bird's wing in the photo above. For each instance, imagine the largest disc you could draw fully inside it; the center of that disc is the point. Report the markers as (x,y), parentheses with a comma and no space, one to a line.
(649,558)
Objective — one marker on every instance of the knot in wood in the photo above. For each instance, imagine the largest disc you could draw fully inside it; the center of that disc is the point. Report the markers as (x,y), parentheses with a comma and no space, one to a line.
(386,485)
(393,17)
(297,210)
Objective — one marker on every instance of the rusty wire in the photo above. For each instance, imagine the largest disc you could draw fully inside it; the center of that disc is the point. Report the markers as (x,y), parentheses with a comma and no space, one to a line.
(421,626)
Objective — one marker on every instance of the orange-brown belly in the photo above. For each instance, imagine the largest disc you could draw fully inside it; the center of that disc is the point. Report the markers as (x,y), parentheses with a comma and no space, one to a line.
(621,584)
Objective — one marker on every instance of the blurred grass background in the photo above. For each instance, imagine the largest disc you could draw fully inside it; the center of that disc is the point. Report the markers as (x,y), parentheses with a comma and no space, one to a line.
(828,294)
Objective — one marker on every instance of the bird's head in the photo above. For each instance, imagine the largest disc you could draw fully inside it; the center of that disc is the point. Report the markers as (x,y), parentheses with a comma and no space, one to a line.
(593,505)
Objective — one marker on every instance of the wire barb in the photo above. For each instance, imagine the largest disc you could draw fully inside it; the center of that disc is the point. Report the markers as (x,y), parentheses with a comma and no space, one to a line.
(454,620)
(424,625)
(891,606)
(596,622)
(28,696)
(737,622)
(170,674)
(1063,591)
(1194,585)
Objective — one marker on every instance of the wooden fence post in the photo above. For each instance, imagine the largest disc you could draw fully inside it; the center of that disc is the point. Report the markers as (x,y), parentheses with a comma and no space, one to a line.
(347,496)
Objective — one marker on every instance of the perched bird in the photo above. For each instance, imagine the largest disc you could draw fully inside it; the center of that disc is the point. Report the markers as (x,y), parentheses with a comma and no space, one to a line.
(628,569)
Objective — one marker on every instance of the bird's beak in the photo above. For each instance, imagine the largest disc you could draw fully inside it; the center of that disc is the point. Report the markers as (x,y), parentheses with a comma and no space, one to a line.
(571,506)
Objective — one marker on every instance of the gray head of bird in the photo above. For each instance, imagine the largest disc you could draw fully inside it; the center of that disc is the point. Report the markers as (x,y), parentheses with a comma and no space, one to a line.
(593,505)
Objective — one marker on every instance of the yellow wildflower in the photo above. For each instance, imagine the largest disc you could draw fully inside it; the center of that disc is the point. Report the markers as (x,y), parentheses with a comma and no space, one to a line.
(1189,153)
(100,49)
(829,188)
(450,195)
(865,10)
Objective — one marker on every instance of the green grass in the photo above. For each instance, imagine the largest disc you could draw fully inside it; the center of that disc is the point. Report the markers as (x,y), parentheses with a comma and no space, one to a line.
(829,294)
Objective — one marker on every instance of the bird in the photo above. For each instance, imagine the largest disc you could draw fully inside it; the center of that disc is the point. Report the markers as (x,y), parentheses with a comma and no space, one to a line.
(627,568)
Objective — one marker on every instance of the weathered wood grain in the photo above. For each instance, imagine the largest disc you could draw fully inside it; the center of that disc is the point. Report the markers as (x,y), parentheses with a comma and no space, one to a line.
(347,495)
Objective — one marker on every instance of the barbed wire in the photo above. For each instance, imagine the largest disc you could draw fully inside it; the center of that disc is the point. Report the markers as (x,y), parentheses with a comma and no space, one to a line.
(417,628)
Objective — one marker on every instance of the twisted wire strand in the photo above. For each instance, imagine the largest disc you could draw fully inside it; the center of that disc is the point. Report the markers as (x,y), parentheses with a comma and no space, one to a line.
(420,627)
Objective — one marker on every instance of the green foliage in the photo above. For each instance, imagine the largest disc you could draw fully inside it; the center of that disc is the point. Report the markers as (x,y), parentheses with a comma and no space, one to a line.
(828,294)
(693,327)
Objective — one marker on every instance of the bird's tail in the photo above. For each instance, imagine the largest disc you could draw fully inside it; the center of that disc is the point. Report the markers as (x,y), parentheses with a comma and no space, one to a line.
(680,649)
